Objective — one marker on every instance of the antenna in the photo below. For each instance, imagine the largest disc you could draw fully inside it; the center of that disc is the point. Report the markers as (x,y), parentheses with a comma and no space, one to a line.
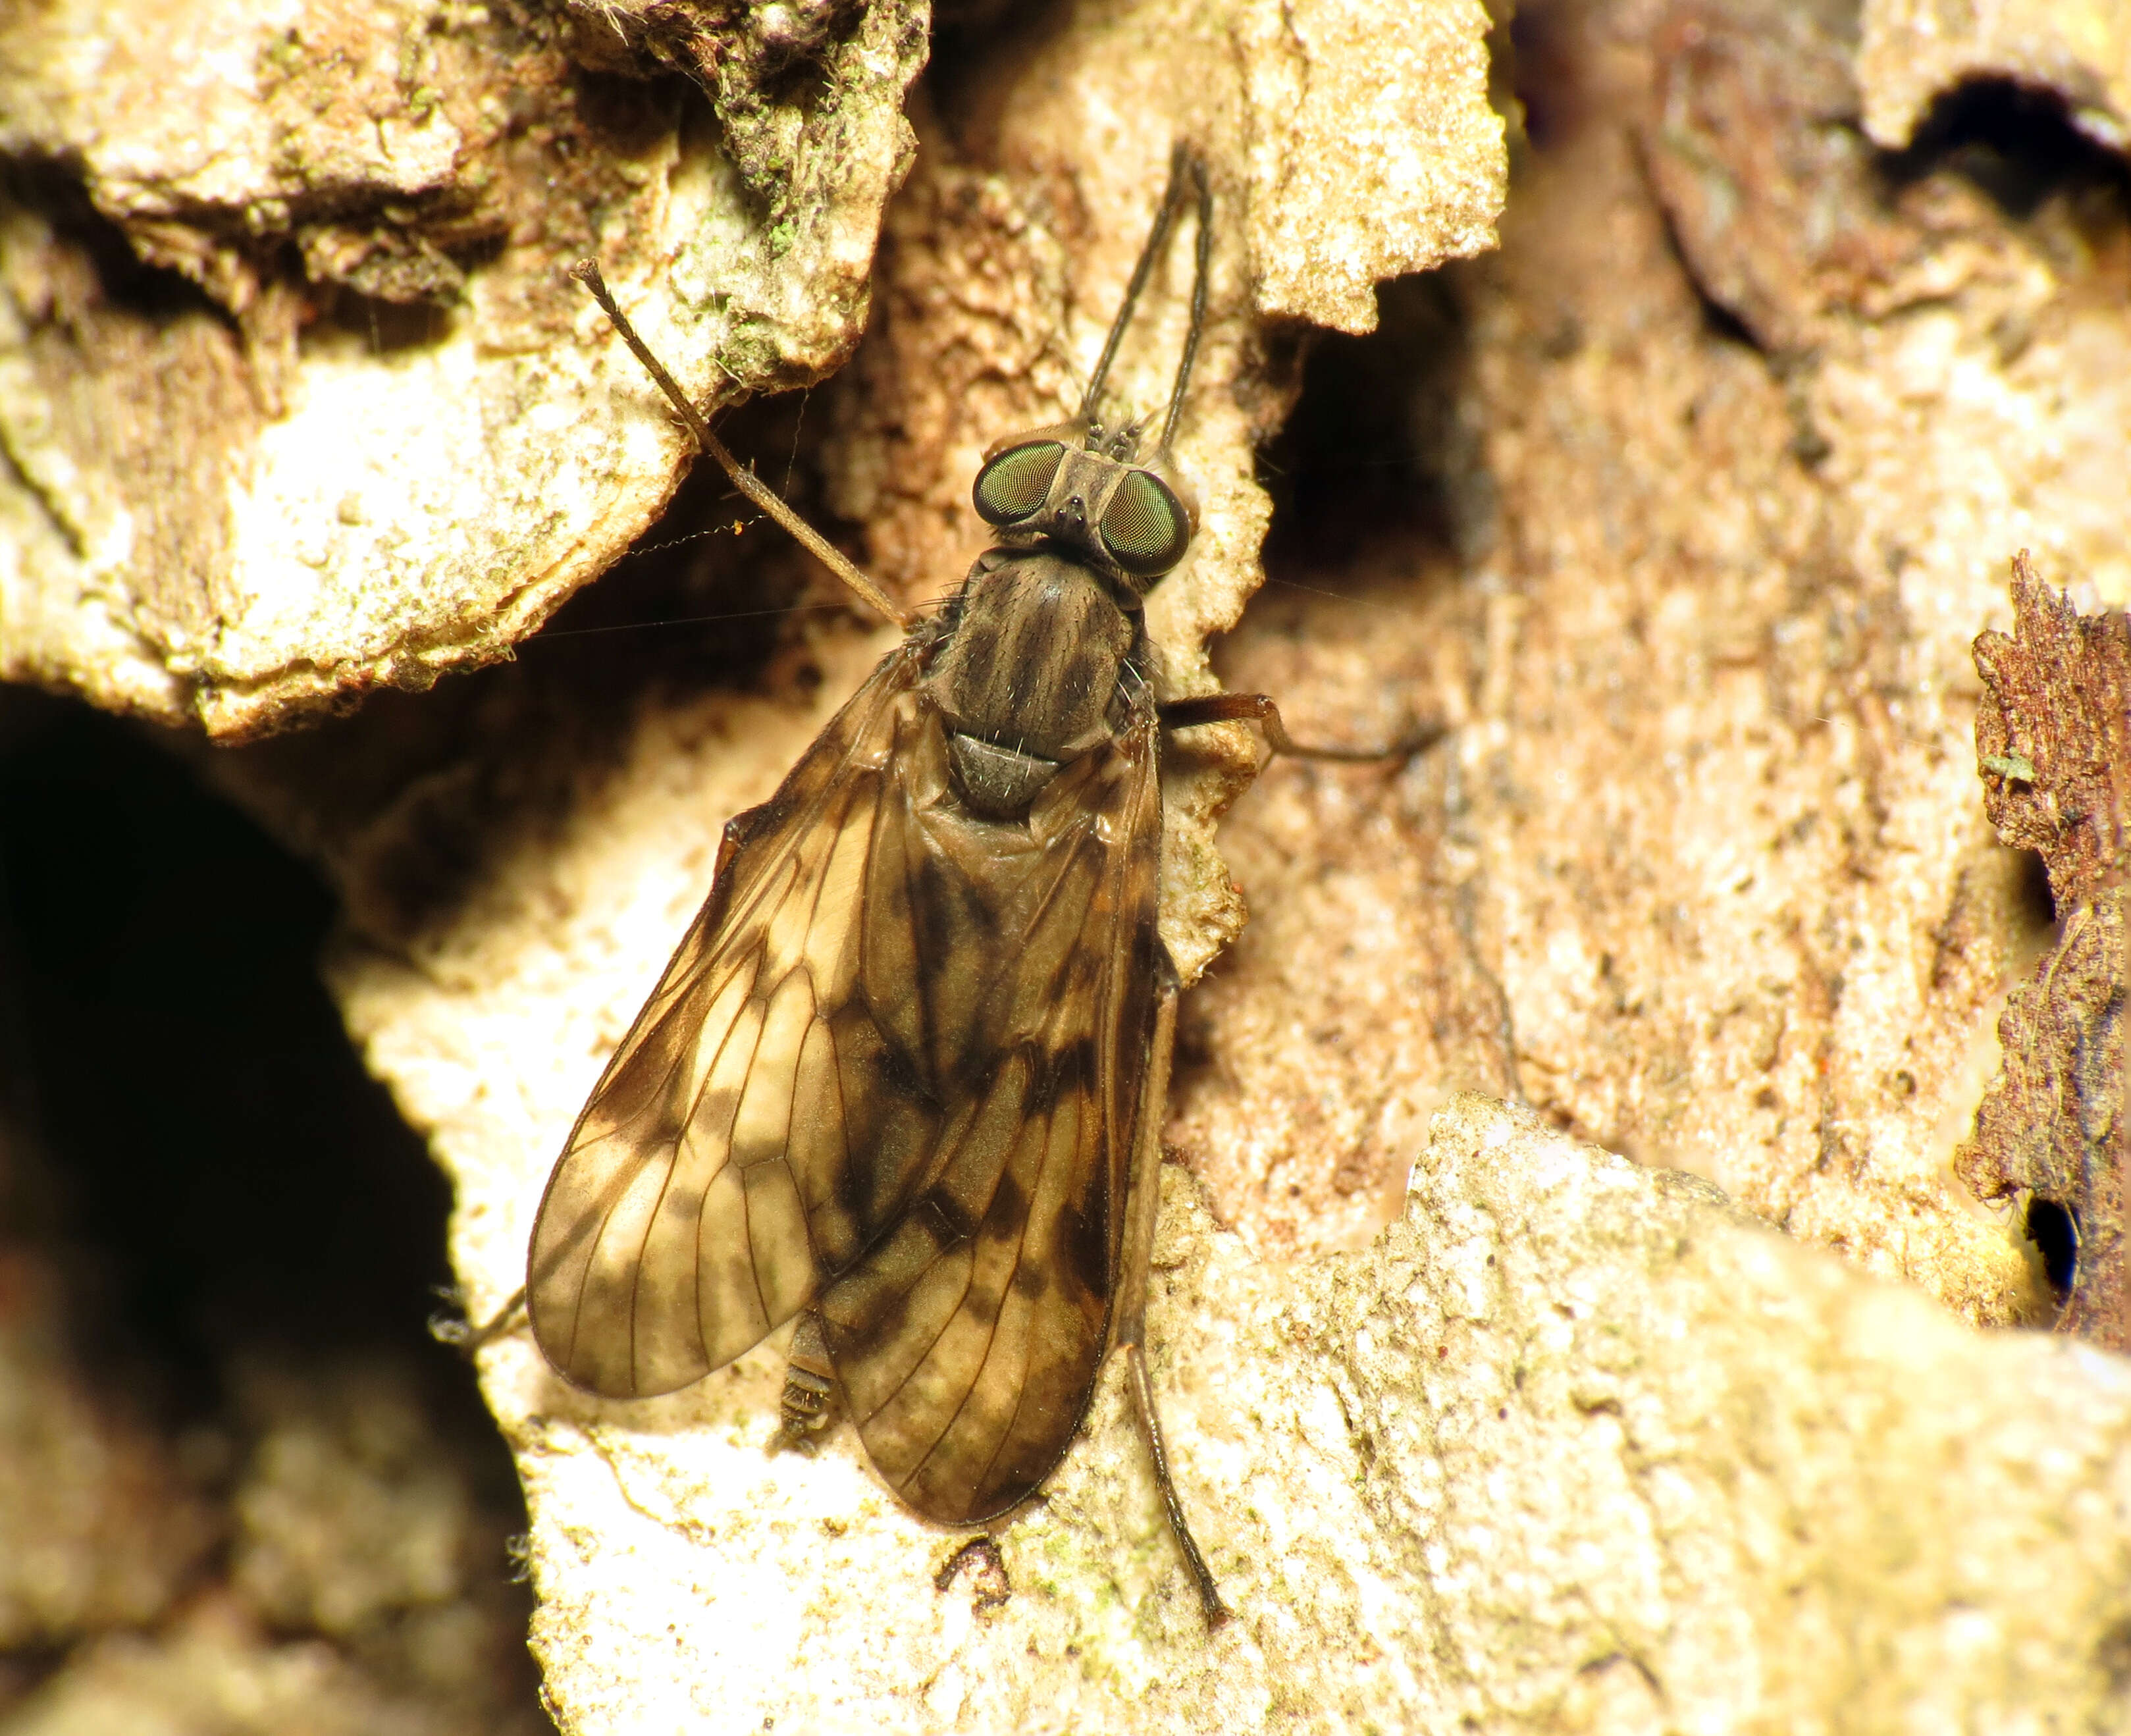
(1183,162)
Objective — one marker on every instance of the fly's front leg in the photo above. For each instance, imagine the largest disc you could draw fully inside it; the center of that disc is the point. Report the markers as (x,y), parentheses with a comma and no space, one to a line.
(1142,1200)
(1258,708)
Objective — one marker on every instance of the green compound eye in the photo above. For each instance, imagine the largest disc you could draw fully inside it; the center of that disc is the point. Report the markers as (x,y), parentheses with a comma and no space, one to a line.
(1014,484)
(1145,527)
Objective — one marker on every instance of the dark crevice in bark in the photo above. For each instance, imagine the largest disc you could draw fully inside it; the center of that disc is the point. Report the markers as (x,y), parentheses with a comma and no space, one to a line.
(55,191)
(1382,441)
(2053,1228)
(230,1208)
(2014,142)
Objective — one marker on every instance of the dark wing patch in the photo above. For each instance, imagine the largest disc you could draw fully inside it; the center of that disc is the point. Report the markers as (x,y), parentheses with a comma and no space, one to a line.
(758,1126)
(969,1339)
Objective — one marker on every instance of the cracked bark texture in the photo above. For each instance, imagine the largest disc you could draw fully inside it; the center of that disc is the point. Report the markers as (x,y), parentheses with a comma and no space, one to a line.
(295,398)
(1572,1445)
(1680,512)
(1721,457)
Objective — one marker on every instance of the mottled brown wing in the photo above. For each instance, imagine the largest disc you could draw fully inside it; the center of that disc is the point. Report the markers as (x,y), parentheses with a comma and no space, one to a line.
(754,1130)
(969,1338)
(894,1069)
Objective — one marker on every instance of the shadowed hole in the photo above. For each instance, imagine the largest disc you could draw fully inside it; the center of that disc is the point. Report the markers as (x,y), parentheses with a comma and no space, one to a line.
(2054,1230)
(222,1192)
(1384,440)
(2016,143)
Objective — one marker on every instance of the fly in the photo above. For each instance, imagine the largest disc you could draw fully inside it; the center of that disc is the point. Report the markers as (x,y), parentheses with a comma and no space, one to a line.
(903,1078)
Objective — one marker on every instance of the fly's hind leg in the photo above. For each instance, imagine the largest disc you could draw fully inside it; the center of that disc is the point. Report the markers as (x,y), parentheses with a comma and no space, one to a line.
(1258,708)
(1141,1383)
(810,1387)
(1141,1203)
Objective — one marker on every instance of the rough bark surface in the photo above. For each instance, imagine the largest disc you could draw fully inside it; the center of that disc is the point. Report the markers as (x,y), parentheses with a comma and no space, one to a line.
(1915,51)
(1721,459)
(1572,1445)
(1680,512)
(296,400)
(2053,740)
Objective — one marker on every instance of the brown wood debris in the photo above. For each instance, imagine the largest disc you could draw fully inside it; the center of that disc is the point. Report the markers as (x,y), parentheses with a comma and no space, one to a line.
(2053,744)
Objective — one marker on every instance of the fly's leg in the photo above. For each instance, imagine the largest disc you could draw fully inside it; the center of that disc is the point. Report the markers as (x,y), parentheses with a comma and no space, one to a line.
(810,1387)
(1258,708)
(1141,1383)
(1142,1198)
(464,1337)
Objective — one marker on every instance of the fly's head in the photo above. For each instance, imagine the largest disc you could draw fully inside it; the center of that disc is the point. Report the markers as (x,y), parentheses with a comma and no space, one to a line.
(1082,490)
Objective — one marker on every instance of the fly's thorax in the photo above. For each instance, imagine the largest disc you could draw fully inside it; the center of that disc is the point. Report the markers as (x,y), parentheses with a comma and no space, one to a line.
(1027,679)
(1032,661)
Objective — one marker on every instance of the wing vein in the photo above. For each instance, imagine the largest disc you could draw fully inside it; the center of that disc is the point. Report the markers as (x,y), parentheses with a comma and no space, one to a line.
(931,1345)
(633,1289)
(968,1382)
